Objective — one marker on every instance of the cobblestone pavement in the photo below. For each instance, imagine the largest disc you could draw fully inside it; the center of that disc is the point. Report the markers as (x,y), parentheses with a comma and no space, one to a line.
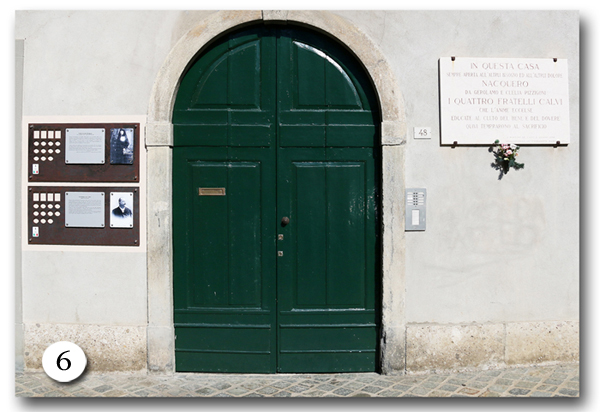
(542,381)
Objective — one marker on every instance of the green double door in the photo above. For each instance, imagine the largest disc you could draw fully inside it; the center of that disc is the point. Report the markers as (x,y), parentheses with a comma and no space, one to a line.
(275,208)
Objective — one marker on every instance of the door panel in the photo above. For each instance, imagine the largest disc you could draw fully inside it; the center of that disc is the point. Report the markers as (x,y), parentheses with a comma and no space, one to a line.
(284,121)
(230,87)
(224,288)
(327,276)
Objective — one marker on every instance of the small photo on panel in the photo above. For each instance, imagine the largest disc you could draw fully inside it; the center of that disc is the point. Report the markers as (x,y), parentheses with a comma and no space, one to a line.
(121,210)
(121,146)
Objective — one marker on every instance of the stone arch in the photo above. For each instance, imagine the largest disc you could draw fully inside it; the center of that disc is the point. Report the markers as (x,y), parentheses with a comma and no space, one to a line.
(159,138)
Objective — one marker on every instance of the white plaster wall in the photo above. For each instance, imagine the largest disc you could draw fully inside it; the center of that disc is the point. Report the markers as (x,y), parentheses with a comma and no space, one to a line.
(74,287)
(494,250)
(94,62)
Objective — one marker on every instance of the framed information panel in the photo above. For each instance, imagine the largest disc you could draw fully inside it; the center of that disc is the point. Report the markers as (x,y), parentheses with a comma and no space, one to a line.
(83,152)
(513,100)
(107,216)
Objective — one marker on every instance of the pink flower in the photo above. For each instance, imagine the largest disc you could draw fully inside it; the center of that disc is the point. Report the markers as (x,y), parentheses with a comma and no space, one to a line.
(509,152)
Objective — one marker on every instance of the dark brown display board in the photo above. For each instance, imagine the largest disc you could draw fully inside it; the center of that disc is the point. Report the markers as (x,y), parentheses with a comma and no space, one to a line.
(48,211)
(47,153)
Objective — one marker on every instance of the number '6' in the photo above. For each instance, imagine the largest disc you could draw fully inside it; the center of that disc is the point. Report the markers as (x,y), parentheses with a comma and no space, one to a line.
(60,359)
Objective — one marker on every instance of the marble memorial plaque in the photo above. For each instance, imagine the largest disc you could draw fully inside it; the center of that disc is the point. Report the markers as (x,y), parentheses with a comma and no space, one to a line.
(514,100)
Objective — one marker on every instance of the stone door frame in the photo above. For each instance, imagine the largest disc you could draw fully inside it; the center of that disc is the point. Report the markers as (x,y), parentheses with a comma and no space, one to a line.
(159,142)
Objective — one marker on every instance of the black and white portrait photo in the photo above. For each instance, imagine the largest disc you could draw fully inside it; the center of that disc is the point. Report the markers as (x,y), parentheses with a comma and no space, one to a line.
(121,146)
(121,210)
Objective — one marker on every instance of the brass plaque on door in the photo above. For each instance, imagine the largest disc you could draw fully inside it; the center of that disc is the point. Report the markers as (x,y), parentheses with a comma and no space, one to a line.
(211,191)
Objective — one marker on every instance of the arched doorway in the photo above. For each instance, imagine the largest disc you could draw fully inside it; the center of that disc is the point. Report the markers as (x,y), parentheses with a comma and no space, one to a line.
(276,182)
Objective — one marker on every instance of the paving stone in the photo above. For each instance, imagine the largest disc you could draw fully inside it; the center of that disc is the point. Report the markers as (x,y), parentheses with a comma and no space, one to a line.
(484,378)
(477,384)
(321,378)
(458,382)
(525,384)
(343,391)
(437,378)
(438,394)
(519,391)
(103,388)
(297,388)
(554,381)
(512,375)
(430,385)
(469,391)
(314,393)
(548,388)
(420,390)
(366,379)
(384,383)
(224,385)
(402,388)
(572,385)
(412,380)
(267,390)
(327,387)
(531,378)
(490,394)
(143,392)
(371,389)
(354,385)
(85,393)
(361,395)
(146,382)
(283,394)
(281,384)
(237,391)
(172,392)
(449,388)
(498,388)
(54,394)
(389,393)
(540,394)
(41,389)
(568,392)
(205,391)
(115,393)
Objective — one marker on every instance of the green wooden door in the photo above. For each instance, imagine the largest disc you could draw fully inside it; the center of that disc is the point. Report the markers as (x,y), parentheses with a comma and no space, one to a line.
(271,124)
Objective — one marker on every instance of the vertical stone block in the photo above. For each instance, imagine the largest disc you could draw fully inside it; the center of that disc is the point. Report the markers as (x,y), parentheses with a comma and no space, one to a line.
(537,342)
(451,347)
(107,348)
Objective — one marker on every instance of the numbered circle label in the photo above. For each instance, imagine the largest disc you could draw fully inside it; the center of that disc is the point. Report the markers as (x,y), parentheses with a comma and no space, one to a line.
(64,361)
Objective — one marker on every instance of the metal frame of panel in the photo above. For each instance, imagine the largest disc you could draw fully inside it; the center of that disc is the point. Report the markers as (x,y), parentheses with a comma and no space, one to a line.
(56,233)
(53,167)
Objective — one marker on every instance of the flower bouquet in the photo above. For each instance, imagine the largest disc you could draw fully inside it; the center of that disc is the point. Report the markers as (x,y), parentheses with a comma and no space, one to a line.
(506,155)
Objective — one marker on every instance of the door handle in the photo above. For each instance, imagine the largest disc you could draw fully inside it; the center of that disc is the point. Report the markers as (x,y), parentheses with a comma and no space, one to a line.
(285,221)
